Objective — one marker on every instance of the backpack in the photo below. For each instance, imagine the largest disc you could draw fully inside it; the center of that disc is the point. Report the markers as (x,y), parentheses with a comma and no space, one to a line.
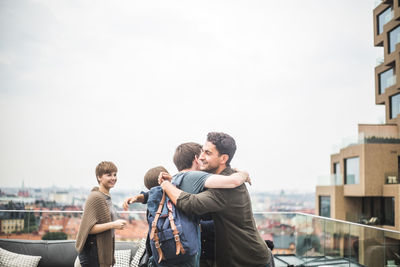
(173,234)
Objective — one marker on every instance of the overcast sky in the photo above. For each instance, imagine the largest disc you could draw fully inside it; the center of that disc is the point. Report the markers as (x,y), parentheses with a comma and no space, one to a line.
(128,81)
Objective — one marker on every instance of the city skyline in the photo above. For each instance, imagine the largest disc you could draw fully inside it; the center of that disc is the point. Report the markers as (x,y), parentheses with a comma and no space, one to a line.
(128,82)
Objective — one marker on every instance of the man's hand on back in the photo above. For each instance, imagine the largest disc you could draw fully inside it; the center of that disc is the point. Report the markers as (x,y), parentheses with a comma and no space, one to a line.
(164,176)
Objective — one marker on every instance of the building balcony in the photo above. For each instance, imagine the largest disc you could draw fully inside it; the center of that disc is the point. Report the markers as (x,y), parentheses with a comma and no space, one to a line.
(300,239)
(333,179)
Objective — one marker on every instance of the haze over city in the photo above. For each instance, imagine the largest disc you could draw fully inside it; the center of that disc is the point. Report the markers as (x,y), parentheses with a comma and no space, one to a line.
(128,81)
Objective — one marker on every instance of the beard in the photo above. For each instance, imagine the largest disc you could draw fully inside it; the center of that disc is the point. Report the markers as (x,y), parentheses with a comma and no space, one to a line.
(209,169)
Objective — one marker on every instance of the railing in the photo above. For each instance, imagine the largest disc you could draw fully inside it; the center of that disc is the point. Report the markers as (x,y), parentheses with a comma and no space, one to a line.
(362,139)
(379,61)
(333,179)
(299,238)
(40,224)
(377,3)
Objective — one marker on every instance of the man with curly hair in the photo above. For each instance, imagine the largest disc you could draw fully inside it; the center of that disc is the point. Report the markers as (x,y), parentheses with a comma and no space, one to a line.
(238,242)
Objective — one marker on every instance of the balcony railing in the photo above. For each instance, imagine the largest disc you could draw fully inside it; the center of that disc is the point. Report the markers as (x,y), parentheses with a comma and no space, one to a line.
(299,238)
(333,179)
(377,3)
(379,61)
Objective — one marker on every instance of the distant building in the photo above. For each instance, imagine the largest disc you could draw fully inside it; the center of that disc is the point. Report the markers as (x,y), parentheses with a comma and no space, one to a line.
(365,185)
(11,222)
(72,227)
(15,199)
(61,197)
(23,193)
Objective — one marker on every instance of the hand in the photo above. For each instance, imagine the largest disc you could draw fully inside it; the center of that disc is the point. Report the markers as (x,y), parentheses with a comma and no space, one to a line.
(164,184)
(245,174)
(128,201)
(248,180)
(164,176)
(119,224)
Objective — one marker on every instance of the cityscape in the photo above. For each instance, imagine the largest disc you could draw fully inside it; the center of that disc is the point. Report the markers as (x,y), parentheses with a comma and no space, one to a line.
(54,213)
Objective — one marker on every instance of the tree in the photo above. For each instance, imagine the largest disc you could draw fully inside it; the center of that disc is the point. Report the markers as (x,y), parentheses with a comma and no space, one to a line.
(29,222)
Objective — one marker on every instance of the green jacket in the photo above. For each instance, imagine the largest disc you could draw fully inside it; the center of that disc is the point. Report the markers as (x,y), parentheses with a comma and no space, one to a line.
(238,242)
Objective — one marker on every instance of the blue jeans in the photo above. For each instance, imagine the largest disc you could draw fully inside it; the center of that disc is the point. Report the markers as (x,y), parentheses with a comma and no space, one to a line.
(89,257)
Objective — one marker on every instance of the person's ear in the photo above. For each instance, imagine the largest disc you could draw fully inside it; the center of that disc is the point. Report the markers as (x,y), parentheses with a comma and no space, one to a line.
(224,158)
(195,161)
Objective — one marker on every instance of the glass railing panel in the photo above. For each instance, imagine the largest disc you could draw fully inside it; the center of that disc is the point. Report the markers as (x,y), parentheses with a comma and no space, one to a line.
(338,179)
(335,241)
(367,245)
(377,3)
(63,225)
(392,249)
(309,239)
(303,244)
(333,179)
(379,61)
(279,228)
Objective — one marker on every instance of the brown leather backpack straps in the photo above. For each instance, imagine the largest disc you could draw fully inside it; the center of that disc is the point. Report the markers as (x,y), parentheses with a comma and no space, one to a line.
(158,247)
(158,213)
(178,244)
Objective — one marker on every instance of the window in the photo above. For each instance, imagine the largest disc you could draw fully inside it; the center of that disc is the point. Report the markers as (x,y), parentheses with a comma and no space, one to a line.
(381,208)
(394,38)
(325,206)
(384,18)
(336,172)
(386,79)
(394,106)
(352,170)
(388,211)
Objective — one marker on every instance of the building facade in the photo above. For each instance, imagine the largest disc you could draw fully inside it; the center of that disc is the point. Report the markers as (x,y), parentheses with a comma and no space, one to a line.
(9,226)
(365,185)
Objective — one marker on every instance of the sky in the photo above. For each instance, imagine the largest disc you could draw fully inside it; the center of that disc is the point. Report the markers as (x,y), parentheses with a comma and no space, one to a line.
(128,81)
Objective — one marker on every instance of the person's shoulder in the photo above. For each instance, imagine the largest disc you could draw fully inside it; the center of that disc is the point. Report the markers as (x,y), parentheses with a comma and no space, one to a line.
(187,176)
(237,190)
(155,194)
(194,177)
(95,195)
(227,171)
(196,173)
(155,189)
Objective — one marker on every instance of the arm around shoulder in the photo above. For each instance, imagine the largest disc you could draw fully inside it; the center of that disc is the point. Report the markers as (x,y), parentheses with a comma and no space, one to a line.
(222,181)
(208,201)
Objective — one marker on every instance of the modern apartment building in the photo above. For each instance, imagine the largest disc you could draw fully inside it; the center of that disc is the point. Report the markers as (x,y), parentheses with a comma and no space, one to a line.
(365,184)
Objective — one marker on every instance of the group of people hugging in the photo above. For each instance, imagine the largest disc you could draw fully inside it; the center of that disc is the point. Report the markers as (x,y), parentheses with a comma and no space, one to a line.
(213,195)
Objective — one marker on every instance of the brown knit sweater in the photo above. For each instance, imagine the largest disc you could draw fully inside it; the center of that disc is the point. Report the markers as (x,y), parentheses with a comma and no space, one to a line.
(96,211)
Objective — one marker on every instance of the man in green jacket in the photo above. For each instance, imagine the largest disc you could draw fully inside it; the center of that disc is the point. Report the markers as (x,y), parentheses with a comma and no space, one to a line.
(238,242)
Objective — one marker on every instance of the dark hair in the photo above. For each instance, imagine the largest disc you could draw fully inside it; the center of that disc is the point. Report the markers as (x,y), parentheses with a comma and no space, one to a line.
(185,154)
(224,143)
(105,167)
(151,176)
